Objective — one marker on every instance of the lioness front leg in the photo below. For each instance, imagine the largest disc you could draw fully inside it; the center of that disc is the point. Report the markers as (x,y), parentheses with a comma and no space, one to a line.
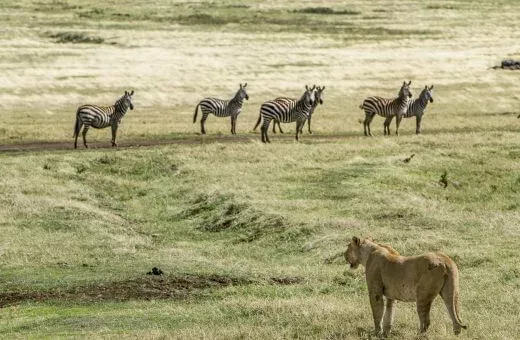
(389,316)
(377,305)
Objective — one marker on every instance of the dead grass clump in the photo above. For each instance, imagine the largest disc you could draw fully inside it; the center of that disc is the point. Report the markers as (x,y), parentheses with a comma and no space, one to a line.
(75,38)
(325,10)
(202,19)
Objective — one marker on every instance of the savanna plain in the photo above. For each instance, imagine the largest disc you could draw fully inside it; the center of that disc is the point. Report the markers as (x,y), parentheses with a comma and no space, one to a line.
(250,236)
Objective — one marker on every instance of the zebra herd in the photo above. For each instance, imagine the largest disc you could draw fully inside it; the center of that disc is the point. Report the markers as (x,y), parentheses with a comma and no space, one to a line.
(279,110)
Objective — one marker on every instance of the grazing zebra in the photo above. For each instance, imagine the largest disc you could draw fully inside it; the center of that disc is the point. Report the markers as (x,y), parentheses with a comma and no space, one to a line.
(222,108)
(386,108)
(286,111)
(100,117)
(417,106)
(318,99)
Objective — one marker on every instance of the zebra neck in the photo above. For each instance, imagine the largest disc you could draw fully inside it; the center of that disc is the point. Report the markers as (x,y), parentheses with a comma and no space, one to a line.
(423,102)
(402,102)
(119,111)
(236,102)
(303,107)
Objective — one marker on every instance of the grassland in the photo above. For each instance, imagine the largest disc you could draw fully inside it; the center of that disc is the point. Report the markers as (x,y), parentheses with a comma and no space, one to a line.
(248,234)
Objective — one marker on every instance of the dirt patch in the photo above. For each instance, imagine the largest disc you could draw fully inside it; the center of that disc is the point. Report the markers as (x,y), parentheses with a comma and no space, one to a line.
(145,288)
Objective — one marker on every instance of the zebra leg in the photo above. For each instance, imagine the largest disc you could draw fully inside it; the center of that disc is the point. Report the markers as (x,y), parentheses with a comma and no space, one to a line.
(77,130)
(386,125)
(298,128)
(85,129)
(397,123)
(309,125)
(368,120)
(279,127)
(233,122)
(114,133)
(265,129)
(418,124)
(274,126)
(202,122)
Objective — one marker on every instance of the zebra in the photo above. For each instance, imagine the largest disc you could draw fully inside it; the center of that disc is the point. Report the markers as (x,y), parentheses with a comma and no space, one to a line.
(386,108)
(222,108)
(417,106)
(100,117)
(318,95)
(318,99)
(286,111)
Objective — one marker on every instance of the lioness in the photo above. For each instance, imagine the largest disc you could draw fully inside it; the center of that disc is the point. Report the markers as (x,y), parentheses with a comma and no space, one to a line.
(406,278)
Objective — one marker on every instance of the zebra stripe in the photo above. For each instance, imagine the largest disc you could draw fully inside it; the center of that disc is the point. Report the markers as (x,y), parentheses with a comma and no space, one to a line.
(386,108)
(221,108)
(100,117)
(286,110)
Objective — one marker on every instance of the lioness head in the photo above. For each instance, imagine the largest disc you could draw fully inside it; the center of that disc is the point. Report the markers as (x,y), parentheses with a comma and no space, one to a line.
(353,253)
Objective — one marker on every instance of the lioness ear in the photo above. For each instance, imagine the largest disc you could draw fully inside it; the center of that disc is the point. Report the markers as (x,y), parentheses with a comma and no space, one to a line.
(356,240)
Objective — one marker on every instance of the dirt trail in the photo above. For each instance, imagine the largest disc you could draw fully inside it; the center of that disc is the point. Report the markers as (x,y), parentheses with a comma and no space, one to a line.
(195,139)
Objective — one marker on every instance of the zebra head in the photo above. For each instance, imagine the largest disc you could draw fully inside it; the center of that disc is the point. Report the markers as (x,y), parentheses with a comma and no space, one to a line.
(309,95)
(126,100)
(426,94)
(405,90)
(318,95)
(241,94)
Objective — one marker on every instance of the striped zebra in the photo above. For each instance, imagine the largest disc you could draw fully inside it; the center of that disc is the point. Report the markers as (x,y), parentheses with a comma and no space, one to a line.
(318,99)
(386,108)
(417,106)
(286,111)
(100,117)
(222,108)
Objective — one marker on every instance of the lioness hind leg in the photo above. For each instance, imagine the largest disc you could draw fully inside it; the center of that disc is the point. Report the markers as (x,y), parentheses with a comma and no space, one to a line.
(423,310)
(389,316)
(428,288)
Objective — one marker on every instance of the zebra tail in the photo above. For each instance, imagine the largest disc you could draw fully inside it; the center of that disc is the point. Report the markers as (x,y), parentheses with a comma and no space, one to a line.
(258,121)
(77,125)
(195,115)
(361,107)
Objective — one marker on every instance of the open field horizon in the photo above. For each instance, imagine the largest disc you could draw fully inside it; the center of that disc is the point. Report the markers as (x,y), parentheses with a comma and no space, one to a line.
(249,236)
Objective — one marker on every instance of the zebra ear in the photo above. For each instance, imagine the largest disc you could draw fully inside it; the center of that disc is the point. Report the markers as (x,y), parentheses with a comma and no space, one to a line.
(323,88)
(126,93)
(431,87)
(132,93)
(425,87)
(245,85)
(409,82)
